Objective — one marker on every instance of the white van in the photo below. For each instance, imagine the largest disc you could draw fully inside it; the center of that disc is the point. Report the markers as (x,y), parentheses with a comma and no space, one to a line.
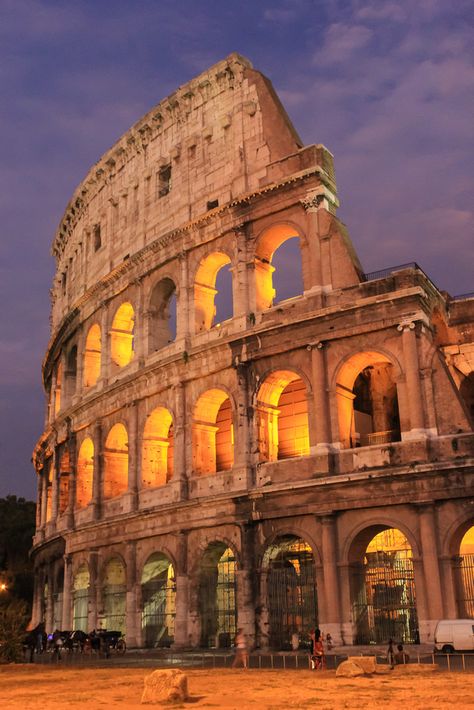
(454,635)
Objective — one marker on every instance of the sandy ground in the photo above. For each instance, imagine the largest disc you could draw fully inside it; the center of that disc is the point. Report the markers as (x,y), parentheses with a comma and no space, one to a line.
(26,687)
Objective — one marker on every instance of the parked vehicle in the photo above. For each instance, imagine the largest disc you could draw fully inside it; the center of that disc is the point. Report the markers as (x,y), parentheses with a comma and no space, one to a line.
(454,635)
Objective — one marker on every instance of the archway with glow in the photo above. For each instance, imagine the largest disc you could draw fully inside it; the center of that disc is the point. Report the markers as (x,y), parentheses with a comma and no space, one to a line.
(157,449)
(383,587)
(92,356)
(121,335)
(213,433)
(289,588)
(367,401)
(116,462)
(158,588)
(265,277)
(114,595)
(464,565)
(162,315)
(217,596)
(80,599)
(84,473)
(282,416)
(205,314)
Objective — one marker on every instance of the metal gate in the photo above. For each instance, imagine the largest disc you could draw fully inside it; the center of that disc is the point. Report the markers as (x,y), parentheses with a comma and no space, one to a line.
(217,602)
(464,565)
(159,611)
(80,609)
(114,607)
(384,603)
(292,596)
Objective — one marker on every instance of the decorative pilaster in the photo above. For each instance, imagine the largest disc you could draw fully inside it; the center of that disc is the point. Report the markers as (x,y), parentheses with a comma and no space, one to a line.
(332,623)
(321,423)
(132,613)
(133,457)
(413,381)
(182,592)
(429,547)
(97,479)
(179,426)
(66,620)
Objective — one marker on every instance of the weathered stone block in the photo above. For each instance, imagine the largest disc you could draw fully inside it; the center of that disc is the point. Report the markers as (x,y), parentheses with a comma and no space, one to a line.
(165,686)
(367,663)
(348,669)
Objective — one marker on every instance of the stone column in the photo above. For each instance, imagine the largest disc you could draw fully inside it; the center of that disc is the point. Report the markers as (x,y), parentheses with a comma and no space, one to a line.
(77,394)
(97,477)
(447,585)
(245,577)
(347,628)
(72,481)
(183,325)
(242,446)
(39,499)
(311,204)
(413,382)
(240,285)
(180,437)
(133,453)
(139,330)
(56,466)
(44,495)
(427,524)
(37,598)
(94,595)
(182,592)
(132,620)
(332,623)
(66,620)
(49,601)
(104,344)
(321,423)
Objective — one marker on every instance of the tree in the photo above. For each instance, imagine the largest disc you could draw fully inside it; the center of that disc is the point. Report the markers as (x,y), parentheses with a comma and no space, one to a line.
(13,619)
(17,527)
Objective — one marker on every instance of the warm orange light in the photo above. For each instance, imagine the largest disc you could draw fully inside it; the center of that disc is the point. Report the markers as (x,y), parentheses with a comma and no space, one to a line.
(116,462)
(84,473)
(267,244)
(390,540)
(58,387)
(467,543)
(212,433)
(92,356)
(121,335)
(3,587)
(205,291)
(157,448)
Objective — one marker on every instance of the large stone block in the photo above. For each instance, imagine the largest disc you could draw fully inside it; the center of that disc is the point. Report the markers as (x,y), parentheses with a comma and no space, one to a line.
(165,686)
(348,669)
(367,663)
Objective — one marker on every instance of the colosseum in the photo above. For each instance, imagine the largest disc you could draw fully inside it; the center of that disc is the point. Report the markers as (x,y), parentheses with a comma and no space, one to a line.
(222,446)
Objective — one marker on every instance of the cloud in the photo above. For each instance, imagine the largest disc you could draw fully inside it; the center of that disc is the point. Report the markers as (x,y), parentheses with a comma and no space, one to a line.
(342,42)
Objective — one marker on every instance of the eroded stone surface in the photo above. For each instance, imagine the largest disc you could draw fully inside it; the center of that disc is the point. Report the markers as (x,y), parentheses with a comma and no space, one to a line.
(165,686)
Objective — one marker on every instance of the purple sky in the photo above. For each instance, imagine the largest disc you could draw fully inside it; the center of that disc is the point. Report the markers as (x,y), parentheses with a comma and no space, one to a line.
(386,86)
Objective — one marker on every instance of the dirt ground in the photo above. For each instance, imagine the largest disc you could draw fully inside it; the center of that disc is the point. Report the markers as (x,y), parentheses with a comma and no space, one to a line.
(24,687)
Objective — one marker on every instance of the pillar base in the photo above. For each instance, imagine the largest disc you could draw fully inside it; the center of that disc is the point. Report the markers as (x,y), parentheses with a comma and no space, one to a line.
(334,630)
(427,630)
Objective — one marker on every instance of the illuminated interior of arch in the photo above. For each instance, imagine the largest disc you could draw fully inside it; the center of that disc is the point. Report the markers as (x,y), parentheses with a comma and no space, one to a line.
(205,290)
(217,595)
(81,599)
(157,449)
(467,543)
(48,472)
(92,356)
(64,473)
(84,473)
(282,411)
(58,387)
(158,601)
(390,540)
(114,595)
(267,245)
(466,565)
(116,462)
(162,315)
(213,434)
(367,401)
(121,335)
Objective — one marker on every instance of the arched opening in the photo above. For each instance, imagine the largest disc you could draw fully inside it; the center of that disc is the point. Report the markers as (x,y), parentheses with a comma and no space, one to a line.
(367,401)
(58,387)
(162,315)
(64,480)
(80,596)
(116,462)
(465,575)
(292,599)
(121,335)
(92,356)
(213,433)
(157,449)
(383,587)
(84,473)
(217,596)
(282,416)
(205,292)
(48,474)
(158,601)
(114,595)
(279,248)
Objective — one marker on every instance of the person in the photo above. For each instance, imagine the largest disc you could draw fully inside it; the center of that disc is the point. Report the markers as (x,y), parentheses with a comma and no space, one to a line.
(401,656)
(390,654)
(329,642)
(241,654)
(318,661)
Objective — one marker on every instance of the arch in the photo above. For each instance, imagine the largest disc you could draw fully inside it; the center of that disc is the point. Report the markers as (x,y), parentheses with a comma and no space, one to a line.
(213,433)
(217,595)
(162,315)
(157,448)
(80,596)
(84,473)
(205,290)
(267,244)
(92,356)
(116,462)
(282,416)
(289,590)
(382,586)
(121,335)
(158,588)
(114,594)
(367,400)
(464,571)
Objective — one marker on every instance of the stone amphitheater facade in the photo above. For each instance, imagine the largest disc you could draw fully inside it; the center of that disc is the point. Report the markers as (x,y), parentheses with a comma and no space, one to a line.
(304,461)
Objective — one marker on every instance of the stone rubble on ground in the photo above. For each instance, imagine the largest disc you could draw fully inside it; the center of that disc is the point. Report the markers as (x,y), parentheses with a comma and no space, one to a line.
(165,686)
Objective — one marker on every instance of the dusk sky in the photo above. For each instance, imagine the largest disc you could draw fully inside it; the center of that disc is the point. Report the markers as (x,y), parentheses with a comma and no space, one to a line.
(388,87)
